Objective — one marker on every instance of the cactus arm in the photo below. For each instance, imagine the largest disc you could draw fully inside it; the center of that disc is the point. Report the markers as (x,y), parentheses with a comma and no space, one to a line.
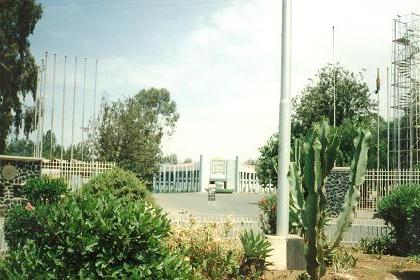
(357,177)
(313,180)
(297,202)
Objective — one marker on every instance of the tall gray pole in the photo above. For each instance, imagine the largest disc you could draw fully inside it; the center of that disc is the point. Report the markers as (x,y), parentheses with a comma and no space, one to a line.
(334,73)
(44,110)
(83,107)
(378,120)
(74,108)
(387,118)
(284,122)
(63,108)
(52,108)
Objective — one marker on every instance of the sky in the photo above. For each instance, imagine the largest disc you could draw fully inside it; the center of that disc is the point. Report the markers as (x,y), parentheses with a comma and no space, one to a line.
(220,60)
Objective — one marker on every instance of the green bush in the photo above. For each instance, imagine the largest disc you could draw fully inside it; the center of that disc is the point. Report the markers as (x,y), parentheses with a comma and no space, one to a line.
(256,250)
(123,184)
(268,208)
(384,245)
(342,260)
(44,190)
(92,236)
(268,216)
(20,224)
(401,209)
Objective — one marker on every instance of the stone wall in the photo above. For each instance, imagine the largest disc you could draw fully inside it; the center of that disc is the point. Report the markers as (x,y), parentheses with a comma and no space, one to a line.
(14,172)
(336,187)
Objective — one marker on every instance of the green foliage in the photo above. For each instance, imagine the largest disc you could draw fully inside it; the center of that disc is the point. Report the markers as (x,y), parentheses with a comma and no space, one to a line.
(401,209)
(313,160)
(20,224)
(256,250)
(266,166)
(317,99)
(303,276)
(343,261)
(123,184)
(92,236)
(268,208)
(18,71)
(130,131)
(383,245)
(44,190)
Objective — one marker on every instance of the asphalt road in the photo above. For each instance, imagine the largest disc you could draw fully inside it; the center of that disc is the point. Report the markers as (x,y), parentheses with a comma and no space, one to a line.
(197,204)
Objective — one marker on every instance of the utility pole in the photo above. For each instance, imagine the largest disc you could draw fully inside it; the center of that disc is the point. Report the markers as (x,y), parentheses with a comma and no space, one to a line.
(288,250)
(284,123)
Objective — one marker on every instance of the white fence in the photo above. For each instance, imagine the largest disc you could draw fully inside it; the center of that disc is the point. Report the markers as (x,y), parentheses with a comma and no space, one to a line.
(178,178)
(379,183)
(75,173)
(360,228)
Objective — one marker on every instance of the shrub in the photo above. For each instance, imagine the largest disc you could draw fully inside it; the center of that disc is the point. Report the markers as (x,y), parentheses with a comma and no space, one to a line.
(256,250)
(20,224)
(342,260)
(268,216)
(213,250)
(120,182)
(401,209)
(44,190)
(90,236)
(383,245)
(268,208)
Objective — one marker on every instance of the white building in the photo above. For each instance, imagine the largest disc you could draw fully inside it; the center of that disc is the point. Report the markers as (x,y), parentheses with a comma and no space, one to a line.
(225,174)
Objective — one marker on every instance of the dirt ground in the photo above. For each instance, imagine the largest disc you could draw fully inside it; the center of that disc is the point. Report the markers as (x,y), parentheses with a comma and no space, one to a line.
(369,267)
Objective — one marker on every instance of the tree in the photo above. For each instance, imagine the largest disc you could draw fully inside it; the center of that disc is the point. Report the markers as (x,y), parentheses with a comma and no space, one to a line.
(266,165)
(317,99)
(171,159)
(130,131)
(18,71)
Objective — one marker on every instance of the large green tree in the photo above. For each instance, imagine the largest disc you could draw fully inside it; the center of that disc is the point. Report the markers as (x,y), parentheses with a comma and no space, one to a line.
(316,101)
(130,131)
(18,71)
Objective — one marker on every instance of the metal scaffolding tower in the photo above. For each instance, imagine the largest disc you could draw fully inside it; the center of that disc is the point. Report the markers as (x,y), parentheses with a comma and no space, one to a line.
(405,141)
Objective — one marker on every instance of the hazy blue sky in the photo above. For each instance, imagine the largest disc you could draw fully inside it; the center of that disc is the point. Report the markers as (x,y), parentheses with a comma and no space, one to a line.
(220,59)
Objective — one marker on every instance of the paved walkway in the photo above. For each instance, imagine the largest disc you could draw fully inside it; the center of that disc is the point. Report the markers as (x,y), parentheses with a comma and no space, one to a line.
(197,204)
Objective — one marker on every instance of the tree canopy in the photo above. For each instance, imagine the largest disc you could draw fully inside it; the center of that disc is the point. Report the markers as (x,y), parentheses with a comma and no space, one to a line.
(317,99)
(18,71)
(130,131)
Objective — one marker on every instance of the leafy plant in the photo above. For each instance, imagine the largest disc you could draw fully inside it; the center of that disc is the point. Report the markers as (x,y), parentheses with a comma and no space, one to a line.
(342,261)
(92,236)
(44,190)
(256,250)
(212,248)
(401,209)
(268,208)
(20,224)
(383,245)
(123,184)
(314,159)
(303,276)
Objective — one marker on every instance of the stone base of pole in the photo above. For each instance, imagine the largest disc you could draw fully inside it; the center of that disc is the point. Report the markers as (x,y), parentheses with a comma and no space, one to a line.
(288,253)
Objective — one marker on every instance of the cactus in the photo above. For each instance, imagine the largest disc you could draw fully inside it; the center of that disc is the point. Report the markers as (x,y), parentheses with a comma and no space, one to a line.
(314,159)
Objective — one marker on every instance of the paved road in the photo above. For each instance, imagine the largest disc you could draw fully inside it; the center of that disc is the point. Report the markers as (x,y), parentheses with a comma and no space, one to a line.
(196,204)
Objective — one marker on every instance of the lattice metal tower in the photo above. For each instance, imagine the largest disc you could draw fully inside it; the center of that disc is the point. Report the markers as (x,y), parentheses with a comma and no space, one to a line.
(406,92)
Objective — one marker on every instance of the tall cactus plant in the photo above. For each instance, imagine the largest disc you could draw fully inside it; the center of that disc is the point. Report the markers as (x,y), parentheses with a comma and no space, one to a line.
(314,159)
